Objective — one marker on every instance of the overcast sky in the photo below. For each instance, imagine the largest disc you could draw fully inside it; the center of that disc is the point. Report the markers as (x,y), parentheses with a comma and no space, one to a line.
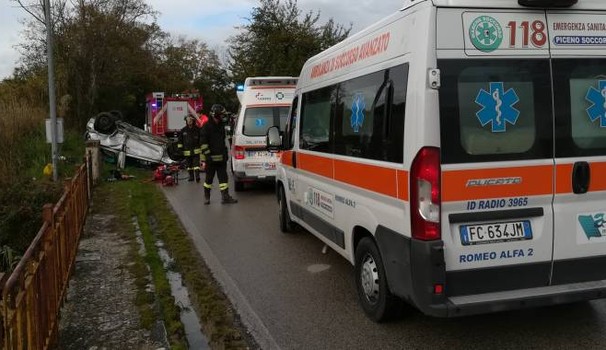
(211,21)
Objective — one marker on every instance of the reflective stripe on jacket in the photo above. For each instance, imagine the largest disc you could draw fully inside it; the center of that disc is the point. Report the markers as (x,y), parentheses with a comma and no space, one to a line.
(189,140)
(213,142)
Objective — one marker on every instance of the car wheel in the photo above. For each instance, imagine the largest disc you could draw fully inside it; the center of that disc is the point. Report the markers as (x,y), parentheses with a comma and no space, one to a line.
(371,282)
(105,123)
(286,224)
(173,152)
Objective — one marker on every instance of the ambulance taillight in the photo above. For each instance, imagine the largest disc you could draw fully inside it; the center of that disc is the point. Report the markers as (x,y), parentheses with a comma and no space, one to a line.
(425,195)
(239,152)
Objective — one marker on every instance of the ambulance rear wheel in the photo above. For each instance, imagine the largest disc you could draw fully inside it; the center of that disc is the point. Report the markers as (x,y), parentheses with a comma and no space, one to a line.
(371,282)
(286,224)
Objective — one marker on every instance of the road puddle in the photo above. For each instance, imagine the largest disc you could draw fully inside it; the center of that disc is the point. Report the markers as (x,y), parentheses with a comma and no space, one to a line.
(195,338)
(317,268)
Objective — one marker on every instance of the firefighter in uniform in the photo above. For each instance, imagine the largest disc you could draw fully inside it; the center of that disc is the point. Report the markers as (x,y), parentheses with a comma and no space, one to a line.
(214,153)
(189,142)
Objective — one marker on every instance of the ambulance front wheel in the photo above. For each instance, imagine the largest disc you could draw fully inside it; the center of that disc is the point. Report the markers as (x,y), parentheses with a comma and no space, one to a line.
(286,224)
(373,293)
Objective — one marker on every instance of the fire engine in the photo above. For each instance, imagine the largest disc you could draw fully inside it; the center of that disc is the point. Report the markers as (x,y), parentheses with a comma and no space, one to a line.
(165,114)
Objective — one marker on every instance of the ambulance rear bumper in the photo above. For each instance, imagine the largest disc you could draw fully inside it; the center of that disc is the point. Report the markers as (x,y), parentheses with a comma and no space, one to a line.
(518,299)
(242,176)
(414,277)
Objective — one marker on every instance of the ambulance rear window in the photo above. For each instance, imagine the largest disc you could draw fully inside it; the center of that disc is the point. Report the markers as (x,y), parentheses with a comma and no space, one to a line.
(580,100)
(495,110)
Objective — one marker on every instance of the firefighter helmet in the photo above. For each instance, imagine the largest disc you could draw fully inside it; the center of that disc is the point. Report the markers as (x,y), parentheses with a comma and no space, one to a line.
(217,110)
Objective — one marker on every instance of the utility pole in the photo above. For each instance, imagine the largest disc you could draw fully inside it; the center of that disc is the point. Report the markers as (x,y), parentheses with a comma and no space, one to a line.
(51,87)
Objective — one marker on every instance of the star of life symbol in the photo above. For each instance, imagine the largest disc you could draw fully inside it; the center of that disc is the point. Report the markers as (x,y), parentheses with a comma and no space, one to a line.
(597,97)
(497,107)
(486,33)
(357,112)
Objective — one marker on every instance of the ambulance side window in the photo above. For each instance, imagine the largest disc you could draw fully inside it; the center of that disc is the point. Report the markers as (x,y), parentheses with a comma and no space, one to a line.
(289,132)
(394,128)
(317,112)
(370,115)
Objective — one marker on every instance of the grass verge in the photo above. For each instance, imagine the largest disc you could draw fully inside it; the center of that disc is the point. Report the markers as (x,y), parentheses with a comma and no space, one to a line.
(25,189)
(142,198)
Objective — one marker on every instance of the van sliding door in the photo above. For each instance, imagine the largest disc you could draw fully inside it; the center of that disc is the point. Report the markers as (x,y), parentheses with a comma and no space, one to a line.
(578,49)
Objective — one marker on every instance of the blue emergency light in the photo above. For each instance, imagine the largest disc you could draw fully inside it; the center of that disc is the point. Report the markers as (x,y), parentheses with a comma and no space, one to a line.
(240,87)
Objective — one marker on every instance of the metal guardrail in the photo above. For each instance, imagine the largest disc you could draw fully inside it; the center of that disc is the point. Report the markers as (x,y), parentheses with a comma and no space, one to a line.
(34,292)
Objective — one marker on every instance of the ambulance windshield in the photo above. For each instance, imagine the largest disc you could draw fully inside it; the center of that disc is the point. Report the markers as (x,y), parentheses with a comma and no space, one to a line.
(258,119)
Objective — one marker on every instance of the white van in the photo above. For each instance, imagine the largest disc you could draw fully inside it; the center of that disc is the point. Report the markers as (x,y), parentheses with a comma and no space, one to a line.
(455,154)
(264,102)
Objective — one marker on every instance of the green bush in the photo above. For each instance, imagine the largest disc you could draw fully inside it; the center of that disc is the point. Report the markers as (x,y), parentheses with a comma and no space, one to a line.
(24,188)
(22,199)
(21,211)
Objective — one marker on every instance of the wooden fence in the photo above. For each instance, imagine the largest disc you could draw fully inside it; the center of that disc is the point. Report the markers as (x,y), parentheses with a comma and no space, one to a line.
(34,292)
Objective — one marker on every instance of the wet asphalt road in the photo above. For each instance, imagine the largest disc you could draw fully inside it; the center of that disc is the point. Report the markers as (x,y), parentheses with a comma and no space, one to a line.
(294,297)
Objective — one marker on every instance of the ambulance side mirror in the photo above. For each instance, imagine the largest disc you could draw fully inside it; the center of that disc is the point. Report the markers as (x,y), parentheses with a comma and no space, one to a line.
(273,139)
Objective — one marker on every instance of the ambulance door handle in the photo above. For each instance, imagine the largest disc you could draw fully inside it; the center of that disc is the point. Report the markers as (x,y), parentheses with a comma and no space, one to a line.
(294,159)
(580,177)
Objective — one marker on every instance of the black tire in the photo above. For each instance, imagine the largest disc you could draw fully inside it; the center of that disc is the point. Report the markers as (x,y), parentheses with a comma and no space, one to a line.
(286,224)
(105,123)
(238,186)
(174,152)
(371,282)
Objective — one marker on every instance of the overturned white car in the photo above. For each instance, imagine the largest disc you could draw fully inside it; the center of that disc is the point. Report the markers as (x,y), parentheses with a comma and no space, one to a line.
(125,140)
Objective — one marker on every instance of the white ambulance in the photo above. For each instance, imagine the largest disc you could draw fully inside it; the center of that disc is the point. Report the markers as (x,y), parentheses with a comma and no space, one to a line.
(264,102)
(455,154)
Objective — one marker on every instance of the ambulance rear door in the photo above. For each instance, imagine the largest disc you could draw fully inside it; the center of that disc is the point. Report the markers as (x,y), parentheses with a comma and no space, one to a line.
(578,49)
(497,160)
